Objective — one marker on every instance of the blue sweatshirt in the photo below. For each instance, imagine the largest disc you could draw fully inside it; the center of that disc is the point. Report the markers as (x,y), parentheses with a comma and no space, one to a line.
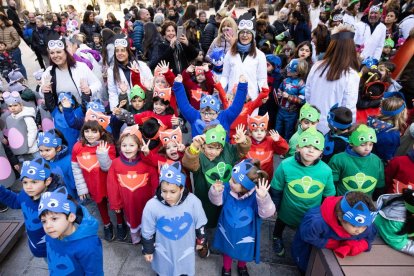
(79,253)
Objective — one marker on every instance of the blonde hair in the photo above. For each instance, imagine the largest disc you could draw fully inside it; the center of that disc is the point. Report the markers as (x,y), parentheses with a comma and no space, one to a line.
(225,20)
(302,68)
(399,120)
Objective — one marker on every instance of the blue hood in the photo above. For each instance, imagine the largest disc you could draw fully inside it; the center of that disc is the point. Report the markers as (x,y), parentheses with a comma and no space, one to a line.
(378,125)
(62,153)
(88,227)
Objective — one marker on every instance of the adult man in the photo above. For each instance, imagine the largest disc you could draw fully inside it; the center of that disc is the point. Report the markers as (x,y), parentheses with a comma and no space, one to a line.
(370,33)
(28,36)
(210,32)
(41,35)
(138,33)
(13,16)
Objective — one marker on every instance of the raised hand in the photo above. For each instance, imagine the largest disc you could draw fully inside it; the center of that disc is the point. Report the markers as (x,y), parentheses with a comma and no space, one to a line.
(134,67)
(275,135)
(262,188)
(123,86)
(103,147)
(199,141)
(117,111)
(242,79)
(175,121)
(178,78)
(218,186)
(47,88)
(205,67)
(84,87)
(164,66)
(181,147)
(190,69)
(240,136)
(145,147)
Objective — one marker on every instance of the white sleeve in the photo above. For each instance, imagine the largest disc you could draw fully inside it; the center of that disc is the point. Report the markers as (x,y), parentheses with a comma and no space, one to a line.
(380,45)
(146,76)
(226,71)
(309,80)
(94,83)
(351,93)
(80,182)
(262,71)
(31,131)
(112,89)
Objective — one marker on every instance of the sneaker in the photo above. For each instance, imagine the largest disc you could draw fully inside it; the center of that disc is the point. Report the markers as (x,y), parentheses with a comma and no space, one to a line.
(136,237)
(121,232)
(3,208)
(278,247)
(204,252)
(109,232)
(225,272)
(242,271)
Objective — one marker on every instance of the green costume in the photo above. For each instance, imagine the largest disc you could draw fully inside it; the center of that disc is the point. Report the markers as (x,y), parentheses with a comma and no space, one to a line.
(357,173)
(303,188)
(293,142)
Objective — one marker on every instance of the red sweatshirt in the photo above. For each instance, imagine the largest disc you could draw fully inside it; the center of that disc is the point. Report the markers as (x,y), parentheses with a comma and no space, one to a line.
(399,169)
(193,89)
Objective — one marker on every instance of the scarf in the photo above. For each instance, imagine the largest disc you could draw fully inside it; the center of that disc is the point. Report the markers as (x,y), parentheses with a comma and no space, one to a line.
(243,48)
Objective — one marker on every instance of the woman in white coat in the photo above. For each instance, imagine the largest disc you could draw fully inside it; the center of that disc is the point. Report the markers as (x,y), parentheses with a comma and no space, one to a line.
(245,59)
(335,79)
(126,72)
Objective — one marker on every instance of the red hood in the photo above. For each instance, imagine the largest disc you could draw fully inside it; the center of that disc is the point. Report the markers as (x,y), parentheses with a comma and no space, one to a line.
(328,214)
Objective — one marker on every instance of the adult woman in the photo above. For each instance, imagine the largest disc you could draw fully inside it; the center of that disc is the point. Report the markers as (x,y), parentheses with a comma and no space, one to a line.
(391,25)
(89,26)
(225,37)
(56,23)
(150,43)
(189,14)
(351,13)
(190,27)
(111,21)
(320,42)
(177,51)
(67,75)
(299,29)
(314,12)
(108,48)
(335,79)
(302,7)
(245,59)
(126,72)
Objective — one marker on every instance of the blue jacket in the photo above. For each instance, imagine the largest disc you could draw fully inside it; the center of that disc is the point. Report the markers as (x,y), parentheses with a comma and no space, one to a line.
(300,33)
(71,134)
(137,35)
(388,140)
(319,226)
(225,117)
(79,253)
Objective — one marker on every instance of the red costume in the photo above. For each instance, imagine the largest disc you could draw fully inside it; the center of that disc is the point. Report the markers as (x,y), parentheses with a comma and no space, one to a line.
(194,90)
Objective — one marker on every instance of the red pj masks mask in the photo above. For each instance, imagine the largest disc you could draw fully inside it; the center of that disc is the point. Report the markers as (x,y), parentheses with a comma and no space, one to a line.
(163,93)
(171,135)
(258,122)
(199,70)
(102,119)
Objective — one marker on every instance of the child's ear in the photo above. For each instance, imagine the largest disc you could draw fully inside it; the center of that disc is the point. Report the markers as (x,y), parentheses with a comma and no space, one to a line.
(48,181)
(72,217)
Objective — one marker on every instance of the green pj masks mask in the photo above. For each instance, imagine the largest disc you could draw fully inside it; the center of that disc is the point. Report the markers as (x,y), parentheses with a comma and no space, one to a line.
(309,112)
(216,135)
(136,91)
(311,137)
(361,135)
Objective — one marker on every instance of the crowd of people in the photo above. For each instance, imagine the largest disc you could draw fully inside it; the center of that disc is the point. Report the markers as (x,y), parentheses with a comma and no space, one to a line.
(172,121)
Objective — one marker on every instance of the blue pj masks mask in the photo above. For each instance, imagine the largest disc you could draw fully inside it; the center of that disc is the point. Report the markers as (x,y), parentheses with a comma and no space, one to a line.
(65,95)
(96,105)
(217,58)
(359,215)
(37,169)
(240,171)
(370,62)
(293,66)
(48,139)
(57,202)
(172,174)
(210,101)
(175,228)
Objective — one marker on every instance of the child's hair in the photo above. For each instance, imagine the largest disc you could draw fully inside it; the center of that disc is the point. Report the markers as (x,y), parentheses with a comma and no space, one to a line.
(2,42)
(353,198)
(94,125)
(169,110)
(150,128)
(125,135)
(343,115)
(59,134)
(303,68)
(399,120)
(255,174)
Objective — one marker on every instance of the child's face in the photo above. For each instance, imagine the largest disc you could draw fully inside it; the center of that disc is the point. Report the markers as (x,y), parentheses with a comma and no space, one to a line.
(270,67)
(92,135)
(208,116)
(159,107)
(2,47)
(34,188)
(235,187)
(172,151)
(200,78)
(58,225)
(259,134)
(386,50)
(15,108)
(47,153)
(171,193)
(351,229)
(304,52)
(160,82)
(364,149)
(137,103)
(305,124)
(96,40)
(200,56)
(212,151)
(309,154)
(129,147)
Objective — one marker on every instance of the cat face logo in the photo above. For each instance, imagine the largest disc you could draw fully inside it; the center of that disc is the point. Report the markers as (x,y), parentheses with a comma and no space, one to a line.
(238,217)
(306,187)
(31,218)
(197,93)
(88,161)
(132,180)
(59,264)
(102,119)
(260,154)
(221,171)
(360,182)
(398,187)
(175,228)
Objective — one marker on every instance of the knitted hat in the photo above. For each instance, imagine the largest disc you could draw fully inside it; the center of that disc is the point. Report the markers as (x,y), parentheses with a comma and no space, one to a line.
(362,134)
(216,135)
(37,169)
(169,135)
(12,97)
(137,91)
(358,215)
(57,202)
(57,43)
(311,137)
(172,174)
(340,117)
(48,139)
(211,101)
(389,43)
(240,171)
(16,86)
(258,122)
(247,22)
(309,112)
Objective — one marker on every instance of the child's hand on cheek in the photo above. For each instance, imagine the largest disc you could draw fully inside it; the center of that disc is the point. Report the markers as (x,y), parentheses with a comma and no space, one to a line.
(175,121)
(178,78)
(274,134)
(218,186)
(240,136)
(262,188)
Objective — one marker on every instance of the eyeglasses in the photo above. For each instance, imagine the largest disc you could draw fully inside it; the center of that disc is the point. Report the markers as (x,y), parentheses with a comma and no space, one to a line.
(208,114)
(245,32)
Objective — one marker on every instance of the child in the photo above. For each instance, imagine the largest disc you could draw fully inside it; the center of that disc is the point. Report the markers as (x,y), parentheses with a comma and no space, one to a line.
(203,84)
(171,221)
(299,184)
(389,125)
(210,158)
(21,126)
(399,172)
(36,178)
(308,116)
(91,158)
(136,106)
(17,82)
(97,42)
(73,246)
(53,150)
(357,169)
(290,96)
(387,49)
(341,223)
(274,78)
(340,123)
(131,182)
(209,113)
(245,200)
(7,64)
(264,147)
(395,223)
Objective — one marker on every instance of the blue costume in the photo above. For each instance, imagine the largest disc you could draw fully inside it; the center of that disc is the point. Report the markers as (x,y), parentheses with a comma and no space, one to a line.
(388,140)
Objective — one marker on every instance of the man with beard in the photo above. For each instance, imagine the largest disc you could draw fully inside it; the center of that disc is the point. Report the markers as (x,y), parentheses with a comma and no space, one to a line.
(370,34)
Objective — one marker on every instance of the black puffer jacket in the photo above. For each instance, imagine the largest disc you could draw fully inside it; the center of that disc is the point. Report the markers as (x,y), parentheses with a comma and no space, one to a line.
(40,38)
(89,29)
(210,32)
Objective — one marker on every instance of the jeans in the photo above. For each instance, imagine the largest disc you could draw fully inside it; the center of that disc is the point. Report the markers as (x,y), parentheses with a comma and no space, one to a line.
(17,57)
(286,122)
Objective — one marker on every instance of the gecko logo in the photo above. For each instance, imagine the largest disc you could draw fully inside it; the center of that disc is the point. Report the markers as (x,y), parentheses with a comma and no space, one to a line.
(306,187)
(221,171)
(360,182)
